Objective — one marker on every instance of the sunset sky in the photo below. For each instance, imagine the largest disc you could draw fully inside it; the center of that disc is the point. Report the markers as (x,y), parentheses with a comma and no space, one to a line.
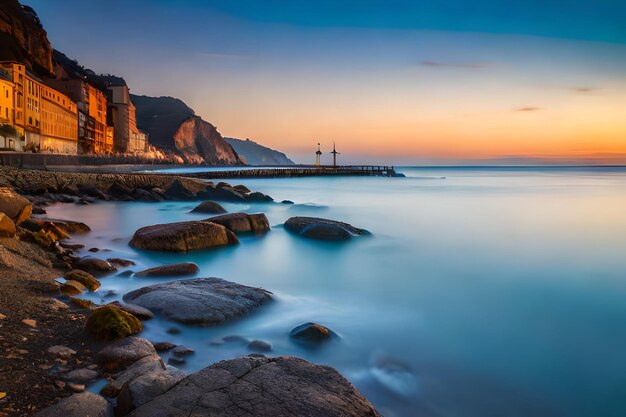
(390,81)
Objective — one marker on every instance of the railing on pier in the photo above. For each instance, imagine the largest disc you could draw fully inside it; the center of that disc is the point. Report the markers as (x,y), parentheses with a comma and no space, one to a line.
(301,171)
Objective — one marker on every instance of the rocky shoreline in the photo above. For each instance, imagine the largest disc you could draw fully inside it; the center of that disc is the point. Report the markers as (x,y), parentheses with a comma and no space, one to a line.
(40,314)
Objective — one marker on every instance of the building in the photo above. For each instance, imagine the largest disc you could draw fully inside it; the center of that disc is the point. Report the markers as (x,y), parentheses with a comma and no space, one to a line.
(44,119)
(59,122)
(122,116)
(92,103)
(8,133)
(109,139)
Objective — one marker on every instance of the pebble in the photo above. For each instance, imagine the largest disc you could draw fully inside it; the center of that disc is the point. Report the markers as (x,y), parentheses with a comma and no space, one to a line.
(62,351)
(30,322)
(76,387)
(81,375)
(59,384)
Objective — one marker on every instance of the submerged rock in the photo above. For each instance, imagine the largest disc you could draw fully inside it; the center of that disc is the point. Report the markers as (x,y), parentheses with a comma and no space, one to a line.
(322,229)
(257,197)
(243,222)
(209,207)
(172,270)
(183,236)
(78,405)
(262,387)
(137,311)
(310,332)
(111,323)
(260,346)
(205,301)
(95,265)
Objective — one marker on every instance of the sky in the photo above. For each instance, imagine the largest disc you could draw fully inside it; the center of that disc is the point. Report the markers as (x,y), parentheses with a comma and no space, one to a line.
(395,81)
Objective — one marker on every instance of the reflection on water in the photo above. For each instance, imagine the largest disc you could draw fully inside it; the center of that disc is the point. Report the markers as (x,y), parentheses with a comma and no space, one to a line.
(483,292)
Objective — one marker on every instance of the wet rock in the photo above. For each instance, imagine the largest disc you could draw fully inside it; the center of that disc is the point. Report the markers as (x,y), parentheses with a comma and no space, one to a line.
(242,189)
(243,222)
(111,323)
(137,311)
(7,227)
(93,250)
(178,191)
(204,301)
(145,195)
(82,375)
(95,265)
(235,339)
(71,246)
(173,330)
(78,405)
(89,281)
(76,387)
(125,274)
(209,207)
(260,346)
(322,229)
(119,189)
(183,236)
(120,262)
(287,202)
(82,303)
(92,190)
(176,360)
(395,375)
(124,353)
(61,351)
(163,346)
(172,270)
(221,194)
(257,197)
(182,351)
(71,287)
(14,206)
(310,332)
(264,387)
(148,363)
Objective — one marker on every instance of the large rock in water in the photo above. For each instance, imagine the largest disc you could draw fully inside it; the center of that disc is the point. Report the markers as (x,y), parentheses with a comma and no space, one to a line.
(209,207)
(78,405)
(171,270)
(16,207)
(322,229)
(111,323)
(124,353)
(243,222)
(205,301)
(261,387)
(183,236)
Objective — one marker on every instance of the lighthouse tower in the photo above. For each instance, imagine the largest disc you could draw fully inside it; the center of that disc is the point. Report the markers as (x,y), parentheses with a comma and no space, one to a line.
(318,155)
(335,153)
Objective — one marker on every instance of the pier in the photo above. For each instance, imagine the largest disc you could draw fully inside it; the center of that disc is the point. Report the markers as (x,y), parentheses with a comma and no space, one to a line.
(299,171)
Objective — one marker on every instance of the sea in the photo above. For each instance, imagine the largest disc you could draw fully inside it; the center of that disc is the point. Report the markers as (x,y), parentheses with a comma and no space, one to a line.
(482,291)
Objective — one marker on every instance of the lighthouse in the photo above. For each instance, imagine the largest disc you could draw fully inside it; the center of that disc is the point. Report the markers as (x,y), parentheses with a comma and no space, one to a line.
(335,153)
(318,155)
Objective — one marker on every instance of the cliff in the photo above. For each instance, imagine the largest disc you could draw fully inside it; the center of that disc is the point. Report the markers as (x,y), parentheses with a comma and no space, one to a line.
(256,154)
(23,39)
(173,126)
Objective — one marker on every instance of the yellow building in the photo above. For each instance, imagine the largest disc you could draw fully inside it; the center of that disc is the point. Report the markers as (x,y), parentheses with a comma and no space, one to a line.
(59,122)
(92,103)
(8,134)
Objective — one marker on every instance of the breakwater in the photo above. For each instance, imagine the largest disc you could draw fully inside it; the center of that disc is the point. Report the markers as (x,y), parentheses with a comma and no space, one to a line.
(300,171)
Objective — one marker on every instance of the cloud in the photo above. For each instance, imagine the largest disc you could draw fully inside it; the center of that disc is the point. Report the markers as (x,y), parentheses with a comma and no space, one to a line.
(583,90)
(527,109)
(439,64)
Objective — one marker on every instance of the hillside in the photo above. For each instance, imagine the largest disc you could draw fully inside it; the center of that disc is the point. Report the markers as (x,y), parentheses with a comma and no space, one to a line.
(256,154)
(173,126)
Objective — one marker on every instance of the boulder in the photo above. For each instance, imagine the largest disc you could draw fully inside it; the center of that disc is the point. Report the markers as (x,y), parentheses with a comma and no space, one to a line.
(144,195)
(322,229)
(95,265)
(85,278)
(310,332)
(150,385)
(82,303)
(172,270)
(204,301)
(120,262)
(72,288)
(183,236)
(178,191)
(16,207)
(221,194)
(243,222)
(137,311)
(7,227)
(209,207)
(150,362)
(163,346)
(125,352)
(241,189)
(111,323)
(257,197)
(78,405)
(262,387)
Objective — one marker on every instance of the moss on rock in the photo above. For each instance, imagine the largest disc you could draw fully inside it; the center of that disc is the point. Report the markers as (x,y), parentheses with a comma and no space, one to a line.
(85,278)
(111,323)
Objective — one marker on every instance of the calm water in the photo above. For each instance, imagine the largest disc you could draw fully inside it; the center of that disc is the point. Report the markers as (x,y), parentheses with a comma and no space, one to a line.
(482,292)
